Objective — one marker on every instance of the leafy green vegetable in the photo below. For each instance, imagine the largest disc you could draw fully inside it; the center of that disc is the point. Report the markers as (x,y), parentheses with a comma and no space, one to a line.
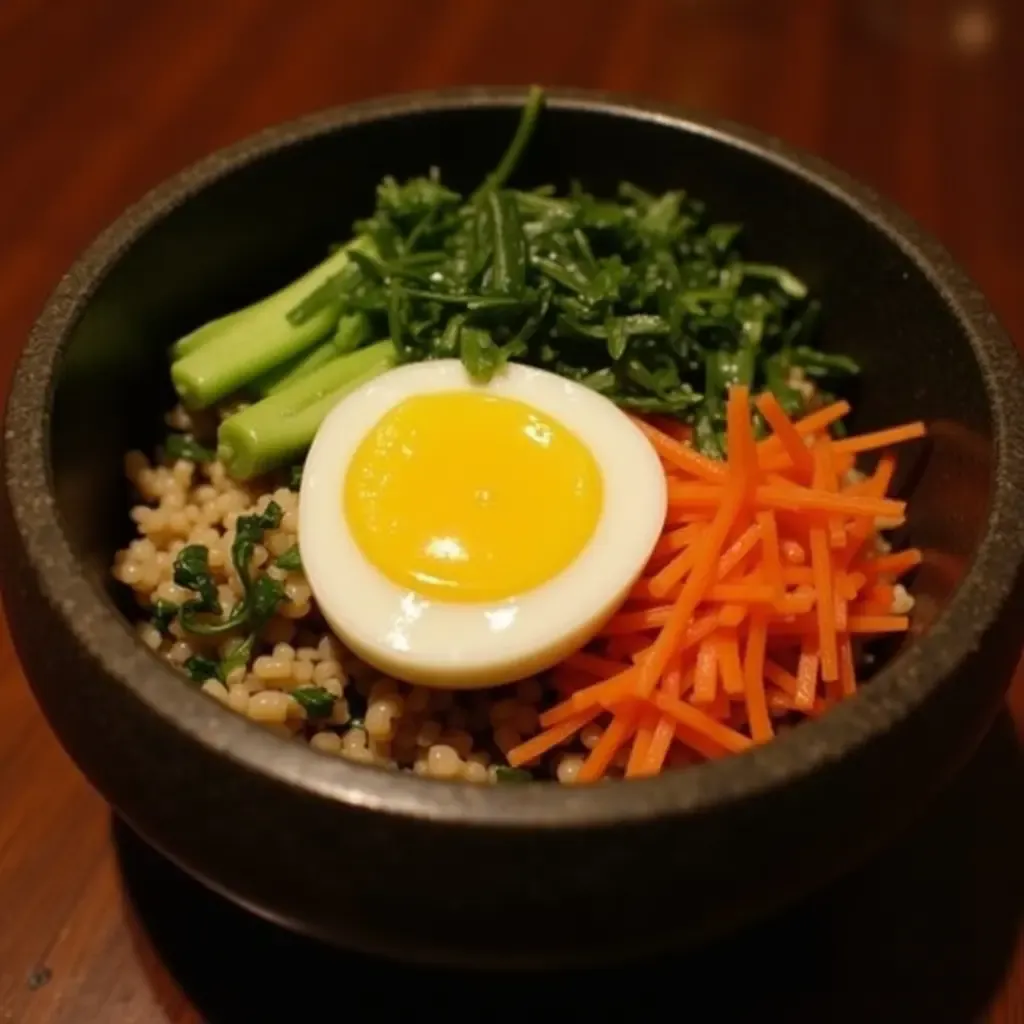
(316,701)
(295,477)
(641,297)
(504,773)
(192,570)
(290,559)
(200,669)
(184,446)
(162,614)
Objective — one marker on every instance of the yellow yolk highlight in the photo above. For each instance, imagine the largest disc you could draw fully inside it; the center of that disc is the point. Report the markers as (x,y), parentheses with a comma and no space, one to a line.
(466,496)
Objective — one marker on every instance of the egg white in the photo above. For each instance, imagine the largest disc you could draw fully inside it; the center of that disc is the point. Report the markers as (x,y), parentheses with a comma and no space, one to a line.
(474,645)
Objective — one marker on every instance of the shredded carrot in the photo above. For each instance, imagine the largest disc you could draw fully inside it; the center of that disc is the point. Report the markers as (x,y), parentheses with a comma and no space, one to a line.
(540,744)
(753,681)
(704,724)
(807,678)
(847,672)
(891,565)
(642,738)
(747,610)
(813,423)
(740,438)
(730,667)
(709,547)
(658,748)
(738,550)
(619,730)
(880,439)
(771,554)
(769,407)
(705,677)
(681,455)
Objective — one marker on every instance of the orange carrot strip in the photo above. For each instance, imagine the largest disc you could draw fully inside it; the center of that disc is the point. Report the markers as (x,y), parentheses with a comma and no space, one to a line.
(676,540)
(705,677)
(544,741)
(682,455)
(745,593)
(672,682)
(646,725)
(753,679)
(890,565)
(705,725)
(807,678)
(780,677)
(636,622)
(731,615)
(813,423)
(769,407)
(825,478)
(800,602)
(880,438)
(612,739)
(770,550)
(847,672)
(878,623)
(794,498)
(821,564)
(740,438)
(880,593)
(738,550)
(782,703)
(709,547)
(658,748)
(662,582)
(730,667)
(849,584)
(673,428)
(841,612)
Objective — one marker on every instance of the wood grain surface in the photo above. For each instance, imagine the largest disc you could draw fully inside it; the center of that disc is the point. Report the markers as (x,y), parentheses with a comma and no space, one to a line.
(100,99)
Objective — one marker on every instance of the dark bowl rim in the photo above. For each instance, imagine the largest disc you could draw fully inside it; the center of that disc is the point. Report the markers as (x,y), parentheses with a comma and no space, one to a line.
(104,634)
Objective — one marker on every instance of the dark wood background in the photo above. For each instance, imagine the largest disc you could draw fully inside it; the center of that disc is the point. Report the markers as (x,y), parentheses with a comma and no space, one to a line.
(100,99)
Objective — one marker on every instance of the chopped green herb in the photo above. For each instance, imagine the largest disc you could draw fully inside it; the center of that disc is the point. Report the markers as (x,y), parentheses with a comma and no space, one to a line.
(290,559)
(184,446)
(192,570)
(162,614)
(200,669)
(642,297)
(504,773)
(316,701)
(295,477)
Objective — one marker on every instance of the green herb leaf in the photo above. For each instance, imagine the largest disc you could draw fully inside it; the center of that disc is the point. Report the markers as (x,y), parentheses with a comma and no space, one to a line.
(163,614)
(315,700)
(184,446)
(504,773)
(290,559)
(192,570)
(200,669)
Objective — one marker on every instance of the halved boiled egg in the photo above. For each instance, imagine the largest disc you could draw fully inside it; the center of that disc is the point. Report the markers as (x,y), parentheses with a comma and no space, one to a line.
(459,534)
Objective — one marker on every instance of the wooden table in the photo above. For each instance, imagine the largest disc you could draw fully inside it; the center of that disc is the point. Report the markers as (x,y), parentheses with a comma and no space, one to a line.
(100,99)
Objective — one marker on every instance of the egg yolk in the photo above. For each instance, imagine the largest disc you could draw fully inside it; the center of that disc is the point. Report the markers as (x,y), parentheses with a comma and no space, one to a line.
(465,496)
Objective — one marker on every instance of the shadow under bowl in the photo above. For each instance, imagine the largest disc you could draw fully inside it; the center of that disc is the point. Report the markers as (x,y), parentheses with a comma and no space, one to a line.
(506,876)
